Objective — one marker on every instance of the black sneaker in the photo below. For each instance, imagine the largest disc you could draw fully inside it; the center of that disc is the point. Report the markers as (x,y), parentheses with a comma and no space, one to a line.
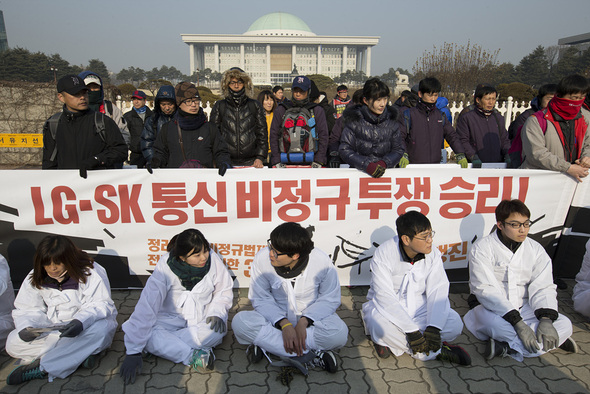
(24,373)
(326,360)
(495,348)
(570,346)
(382,351)
(454,354)
(90,361)
(255,354)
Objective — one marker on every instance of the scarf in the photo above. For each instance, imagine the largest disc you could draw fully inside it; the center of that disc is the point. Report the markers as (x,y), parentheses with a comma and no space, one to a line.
(141,110)
(189,276)
(238,96)
(485,112)
(188,121)
(428,107)
(288,273)
(95,100)
(567,109)
(300,103)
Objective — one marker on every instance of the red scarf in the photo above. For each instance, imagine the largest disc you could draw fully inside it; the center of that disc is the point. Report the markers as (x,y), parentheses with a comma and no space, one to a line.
(567,109)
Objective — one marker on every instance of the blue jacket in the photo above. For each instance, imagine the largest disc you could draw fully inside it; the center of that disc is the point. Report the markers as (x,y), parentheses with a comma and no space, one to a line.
(154,123)
(442,103)
(368,138)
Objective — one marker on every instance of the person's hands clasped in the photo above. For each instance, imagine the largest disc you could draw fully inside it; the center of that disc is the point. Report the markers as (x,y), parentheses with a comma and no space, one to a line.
(527,336)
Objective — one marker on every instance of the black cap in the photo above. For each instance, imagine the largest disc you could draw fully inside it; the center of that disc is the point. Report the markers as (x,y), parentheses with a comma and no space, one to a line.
(71,84)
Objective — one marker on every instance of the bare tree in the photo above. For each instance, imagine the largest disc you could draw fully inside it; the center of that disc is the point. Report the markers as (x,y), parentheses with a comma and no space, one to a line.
(459,68)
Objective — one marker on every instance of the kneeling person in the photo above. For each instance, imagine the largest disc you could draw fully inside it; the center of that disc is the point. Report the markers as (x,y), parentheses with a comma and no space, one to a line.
(510,278)
(408,308)
(295,292)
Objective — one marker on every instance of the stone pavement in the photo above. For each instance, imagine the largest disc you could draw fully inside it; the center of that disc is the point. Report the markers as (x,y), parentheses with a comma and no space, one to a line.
(361,371)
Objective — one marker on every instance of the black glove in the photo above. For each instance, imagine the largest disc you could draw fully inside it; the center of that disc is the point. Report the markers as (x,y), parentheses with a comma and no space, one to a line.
(148,167)
(131,367)
(217,324)
(27,335)
(432,336)
(88,164)
(417,342)
(475,161)
(73,329)
(334,160)
(155,163)
(223,168)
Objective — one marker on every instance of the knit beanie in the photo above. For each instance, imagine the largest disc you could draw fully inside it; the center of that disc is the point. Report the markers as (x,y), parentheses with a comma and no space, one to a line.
(185,91)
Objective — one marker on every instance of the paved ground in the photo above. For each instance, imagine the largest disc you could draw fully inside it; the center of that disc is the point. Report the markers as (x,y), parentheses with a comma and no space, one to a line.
(361,371)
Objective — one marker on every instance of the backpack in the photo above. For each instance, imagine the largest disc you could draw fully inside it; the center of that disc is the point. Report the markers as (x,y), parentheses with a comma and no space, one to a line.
(298,141)
(515,150)
(54,120)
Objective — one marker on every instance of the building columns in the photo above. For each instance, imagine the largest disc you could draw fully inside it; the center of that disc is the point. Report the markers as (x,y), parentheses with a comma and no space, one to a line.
(293,55)
(191,60)
(242,59)
(368,62)
(319,62)
(216,56)
(268,64)
(344,58)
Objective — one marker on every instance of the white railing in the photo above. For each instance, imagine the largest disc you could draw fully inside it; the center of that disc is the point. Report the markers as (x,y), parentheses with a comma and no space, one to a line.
(509,109)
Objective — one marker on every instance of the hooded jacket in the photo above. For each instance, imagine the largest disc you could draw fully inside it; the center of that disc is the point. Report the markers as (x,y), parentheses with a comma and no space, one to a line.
(484,135)
(116,115)
(135,124)
(368,138)
(153,125)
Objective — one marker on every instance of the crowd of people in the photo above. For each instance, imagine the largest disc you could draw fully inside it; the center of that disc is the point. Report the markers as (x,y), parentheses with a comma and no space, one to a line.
(364,131)
(63,316)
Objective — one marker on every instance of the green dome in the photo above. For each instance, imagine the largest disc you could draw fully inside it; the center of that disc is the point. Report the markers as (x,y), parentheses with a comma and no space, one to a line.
(279,23)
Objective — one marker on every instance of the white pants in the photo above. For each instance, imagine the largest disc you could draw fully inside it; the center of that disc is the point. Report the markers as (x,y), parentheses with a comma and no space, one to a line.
(385,333)
(582,302)
(6,326)
(485,324)
(177,344)
(62,356)
(250,327)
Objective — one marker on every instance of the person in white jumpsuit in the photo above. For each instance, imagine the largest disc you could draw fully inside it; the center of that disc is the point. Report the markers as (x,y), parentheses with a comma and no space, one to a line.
(295,292)
(408,308)
(63,313)
(581,295)
(6,302)
(514,300)
(183,309)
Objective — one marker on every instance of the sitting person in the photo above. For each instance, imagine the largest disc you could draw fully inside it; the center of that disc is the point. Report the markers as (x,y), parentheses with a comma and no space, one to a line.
(182,312)
(64,314)
(295,292)
(371,139)
(581,295)
(408,308)
(514,301)
(6,302)
(189,141)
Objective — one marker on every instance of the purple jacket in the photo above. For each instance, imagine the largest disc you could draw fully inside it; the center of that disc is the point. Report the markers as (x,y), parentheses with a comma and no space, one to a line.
(424,139)
(484,135)
(321,127)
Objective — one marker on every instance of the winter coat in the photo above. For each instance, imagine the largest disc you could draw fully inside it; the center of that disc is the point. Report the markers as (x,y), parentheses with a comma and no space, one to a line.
(204,144)
(442,103)
(243,127)
(78,140)
(483,135)
(165,301)
(427,132)
(521,118)
(135,125)
(368,138)
(153,125)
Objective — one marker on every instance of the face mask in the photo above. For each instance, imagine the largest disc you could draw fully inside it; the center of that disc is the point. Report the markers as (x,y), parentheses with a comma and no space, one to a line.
(567,109)
(94,97)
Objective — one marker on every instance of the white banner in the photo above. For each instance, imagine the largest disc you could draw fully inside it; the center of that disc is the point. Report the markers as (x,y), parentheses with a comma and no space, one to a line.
(131,215)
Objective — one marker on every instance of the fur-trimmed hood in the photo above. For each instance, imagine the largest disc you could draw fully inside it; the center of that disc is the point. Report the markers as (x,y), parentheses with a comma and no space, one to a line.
(238,74)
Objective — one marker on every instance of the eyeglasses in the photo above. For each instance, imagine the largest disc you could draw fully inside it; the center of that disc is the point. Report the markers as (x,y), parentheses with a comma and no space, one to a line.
(517,225)
(236,83)
(190,102)
(428,237)
(274,252)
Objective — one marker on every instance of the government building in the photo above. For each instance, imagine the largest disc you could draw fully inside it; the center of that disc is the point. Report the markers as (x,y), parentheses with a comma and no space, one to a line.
(274,45)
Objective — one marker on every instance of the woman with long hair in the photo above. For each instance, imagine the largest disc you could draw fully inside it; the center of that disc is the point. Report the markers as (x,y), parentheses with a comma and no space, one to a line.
(269,103)
(182,311)
(64,314)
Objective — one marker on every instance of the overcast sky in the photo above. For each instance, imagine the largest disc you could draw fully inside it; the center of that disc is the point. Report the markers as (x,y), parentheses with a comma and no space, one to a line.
(146,34)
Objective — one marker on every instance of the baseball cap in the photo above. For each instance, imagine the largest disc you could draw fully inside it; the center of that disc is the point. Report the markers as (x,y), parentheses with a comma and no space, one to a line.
(91,78)
(71,84)
(301,82)
(138,94)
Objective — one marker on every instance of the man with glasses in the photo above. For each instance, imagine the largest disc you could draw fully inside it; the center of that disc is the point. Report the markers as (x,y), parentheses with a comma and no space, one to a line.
(241,120)
(189,141)
(514,301)
(295,292)
(408,308)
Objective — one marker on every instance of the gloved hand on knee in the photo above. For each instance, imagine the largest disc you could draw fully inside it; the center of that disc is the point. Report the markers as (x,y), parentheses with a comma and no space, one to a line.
(527,336)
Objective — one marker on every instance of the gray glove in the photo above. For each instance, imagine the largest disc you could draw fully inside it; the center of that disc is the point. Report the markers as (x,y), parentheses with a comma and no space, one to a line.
(527,336)
(27,335)
(131,367)
(547,334)
(217,324)
(72,329)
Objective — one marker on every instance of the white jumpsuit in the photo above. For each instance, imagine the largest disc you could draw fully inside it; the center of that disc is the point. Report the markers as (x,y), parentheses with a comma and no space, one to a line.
(6,302)
(170,321)
(91,304)
(503,281)
(581,295)
(404,298)
(315,293)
